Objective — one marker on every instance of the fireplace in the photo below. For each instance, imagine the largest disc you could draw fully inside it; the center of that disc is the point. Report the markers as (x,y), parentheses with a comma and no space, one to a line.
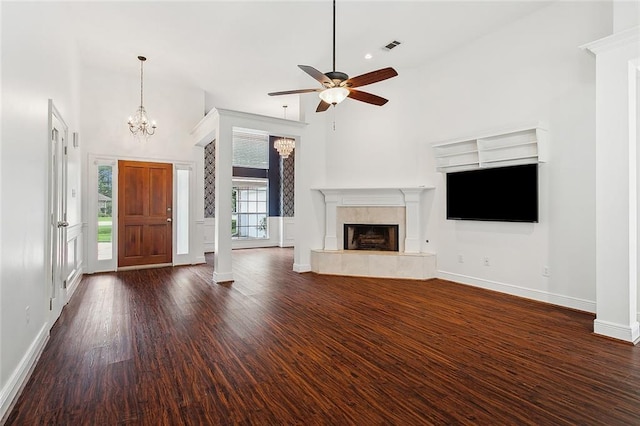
(371,237)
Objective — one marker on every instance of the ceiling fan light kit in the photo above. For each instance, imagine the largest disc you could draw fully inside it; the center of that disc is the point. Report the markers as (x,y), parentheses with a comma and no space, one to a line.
(334,95)
(337,86)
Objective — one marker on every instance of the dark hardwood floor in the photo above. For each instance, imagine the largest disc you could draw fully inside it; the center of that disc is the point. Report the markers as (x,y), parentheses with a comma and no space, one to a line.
(166,346)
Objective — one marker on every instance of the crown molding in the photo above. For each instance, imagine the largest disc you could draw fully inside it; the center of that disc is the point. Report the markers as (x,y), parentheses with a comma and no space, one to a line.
(614,41)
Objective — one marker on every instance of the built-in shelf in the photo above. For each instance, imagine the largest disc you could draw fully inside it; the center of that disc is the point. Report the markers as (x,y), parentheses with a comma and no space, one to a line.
(519,145)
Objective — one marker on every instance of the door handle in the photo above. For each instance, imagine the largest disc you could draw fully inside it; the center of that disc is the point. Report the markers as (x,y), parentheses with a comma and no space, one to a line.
(63,224)
(168,219)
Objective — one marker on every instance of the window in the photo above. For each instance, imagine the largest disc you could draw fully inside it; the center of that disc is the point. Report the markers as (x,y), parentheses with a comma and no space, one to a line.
(250,214)
(250,149)
(183,176)
(105,210)
(250,192)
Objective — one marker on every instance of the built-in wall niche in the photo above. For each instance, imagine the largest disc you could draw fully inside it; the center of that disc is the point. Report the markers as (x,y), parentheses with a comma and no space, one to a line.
(527,144)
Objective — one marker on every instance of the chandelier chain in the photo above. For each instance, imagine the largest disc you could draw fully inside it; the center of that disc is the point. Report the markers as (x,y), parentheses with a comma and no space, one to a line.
(141,81)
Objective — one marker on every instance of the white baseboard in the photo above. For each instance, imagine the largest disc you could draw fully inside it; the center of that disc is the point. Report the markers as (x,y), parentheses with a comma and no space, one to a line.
(301,267)
(73,285)
(627,333)
(200,259)
(11,390)
(539,295)
(222,277)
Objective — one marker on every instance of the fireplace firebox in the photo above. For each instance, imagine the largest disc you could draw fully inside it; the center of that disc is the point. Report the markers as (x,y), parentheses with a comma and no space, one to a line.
(371,237)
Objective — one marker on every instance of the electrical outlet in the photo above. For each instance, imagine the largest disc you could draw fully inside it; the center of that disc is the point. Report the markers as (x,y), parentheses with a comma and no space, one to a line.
(27,314)
(545,271)
(486,261)
(460,259)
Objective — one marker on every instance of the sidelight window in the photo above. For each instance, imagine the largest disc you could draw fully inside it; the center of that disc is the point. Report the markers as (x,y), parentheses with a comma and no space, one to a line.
(183,176)
(105,212)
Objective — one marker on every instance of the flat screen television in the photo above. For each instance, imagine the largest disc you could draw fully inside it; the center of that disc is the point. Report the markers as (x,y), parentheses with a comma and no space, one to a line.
(504,194)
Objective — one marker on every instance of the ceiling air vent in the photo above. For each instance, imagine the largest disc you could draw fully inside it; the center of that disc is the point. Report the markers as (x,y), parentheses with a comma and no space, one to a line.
(391,45)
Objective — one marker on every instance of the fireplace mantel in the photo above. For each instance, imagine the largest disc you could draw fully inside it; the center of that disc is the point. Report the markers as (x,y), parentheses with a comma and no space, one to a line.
(407,197)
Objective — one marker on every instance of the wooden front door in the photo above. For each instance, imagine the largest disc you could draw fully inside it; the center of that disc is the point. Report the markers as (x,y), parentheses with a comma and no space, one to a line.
(145,200)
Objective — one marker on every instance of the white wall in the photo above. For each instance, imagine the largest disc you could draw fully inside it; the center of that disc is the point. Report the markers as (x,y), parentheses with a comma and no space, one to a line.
(109,98)
(38,63)
(626,14)
(310,173)
(375,146)
(528,71)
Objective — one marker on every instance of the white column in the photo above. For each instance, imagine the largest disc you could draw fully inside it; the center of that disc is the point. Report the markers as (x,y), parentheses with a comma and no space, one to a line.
(412,225)
(331,199)
(222,271)
(616,185)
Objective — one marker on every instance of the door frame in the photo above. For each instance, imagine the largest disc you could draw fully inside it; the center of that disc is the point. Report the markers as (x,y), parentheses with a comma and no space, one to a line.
(56,214)
(93,265)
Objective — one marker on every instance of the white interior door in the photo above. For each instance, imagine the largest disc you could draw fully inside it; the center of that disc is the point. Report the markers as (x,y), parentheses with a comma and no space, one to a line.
(57,210)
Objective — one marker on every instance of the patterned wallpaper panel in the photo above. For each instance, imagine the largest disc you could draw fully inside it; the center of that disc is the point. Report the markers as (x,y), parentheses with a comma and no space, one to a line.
(210,180)
(287,186)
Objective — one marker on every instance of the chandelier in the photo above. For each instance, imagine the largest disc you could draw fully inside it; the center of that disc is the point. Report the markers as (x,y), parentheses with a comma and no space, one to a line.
(139,124)
(284,146)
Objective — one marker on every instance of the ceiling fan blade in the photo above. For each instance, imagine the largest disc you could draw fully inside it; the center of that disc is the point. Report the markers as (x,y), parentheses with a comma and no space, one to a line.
(293,92)
(323,106)
(367,97)
(370,77)
(323,79)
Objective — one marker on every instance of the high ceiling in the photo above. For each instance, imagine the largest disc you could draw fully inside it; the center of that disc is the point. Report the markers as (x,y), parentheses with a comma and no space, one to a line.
(238,51)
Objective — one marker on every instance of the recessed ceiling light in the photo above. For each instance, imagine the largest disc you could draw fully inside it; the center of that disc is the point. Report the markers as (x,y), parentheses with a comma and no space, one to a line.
(368,56)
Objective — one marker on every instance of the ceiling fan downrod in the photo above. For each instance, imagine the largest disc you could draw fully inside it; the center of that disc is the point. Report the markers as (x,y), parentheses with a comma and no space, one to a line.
(334,35)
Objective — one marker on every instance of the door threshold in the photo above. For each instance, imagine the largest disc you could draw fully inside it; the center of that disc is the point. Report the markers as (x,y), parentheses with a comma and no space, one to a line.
(155,265)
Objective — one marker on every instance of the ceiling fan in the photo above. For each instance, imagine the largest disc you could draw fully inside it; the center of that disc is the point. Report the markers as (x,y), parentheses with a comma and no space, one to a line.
(336,85)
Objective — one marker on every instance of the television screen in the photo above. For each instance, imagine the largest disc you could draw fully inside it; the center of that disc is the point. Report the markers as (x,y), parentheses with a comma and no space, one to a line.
(505,194)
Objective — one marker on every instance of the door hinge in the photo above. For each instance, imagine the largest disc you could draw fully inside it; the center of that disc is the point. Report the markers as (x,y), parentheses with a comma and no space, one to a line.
(64,284)
(51,304)
(65,150)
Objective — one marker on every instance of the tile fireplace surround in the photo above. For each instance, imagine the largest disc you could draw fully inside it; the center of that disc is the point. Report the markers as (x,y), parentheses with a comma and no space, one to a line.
(401,206)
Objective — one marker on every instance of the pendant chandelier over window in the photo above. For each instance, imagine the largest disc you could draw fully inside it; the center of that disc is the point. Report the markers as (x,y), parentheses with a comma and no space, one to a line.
(284,146)
(139,124)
